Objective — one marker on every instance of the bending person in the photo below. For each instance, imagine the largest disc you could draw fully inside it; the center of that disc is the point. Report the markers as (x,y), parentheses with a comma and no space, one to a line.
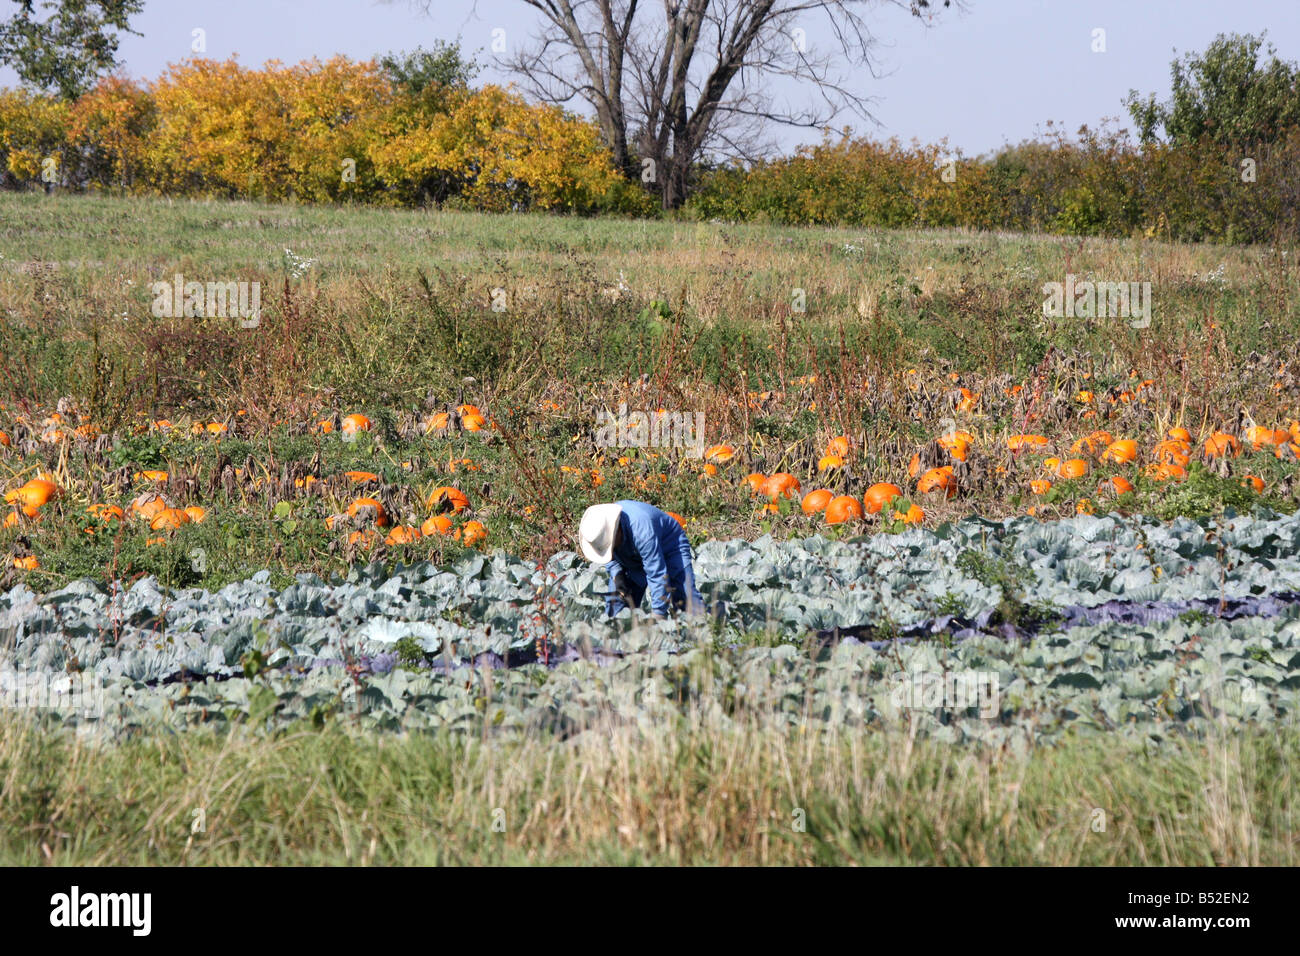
(643,549)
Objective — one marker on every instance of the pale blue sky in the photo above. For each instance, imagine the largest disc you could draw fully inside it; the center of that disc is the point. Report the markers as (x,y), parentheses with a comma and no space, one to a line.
(993,74)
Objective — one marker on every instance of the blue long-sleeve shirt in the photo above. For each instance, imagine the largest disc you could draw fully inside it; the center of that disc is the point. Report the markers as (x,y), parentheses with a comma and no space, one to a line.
(653,554)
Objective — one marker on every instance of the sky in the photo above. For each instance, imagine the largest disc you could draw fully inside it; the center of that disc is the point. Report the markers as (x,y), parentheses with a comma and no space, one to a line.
(990,74)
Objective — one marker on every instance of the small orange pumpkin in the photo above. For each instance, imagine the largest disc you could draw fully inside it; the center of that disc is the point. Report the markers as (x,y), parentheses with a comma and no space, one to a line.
(1220,444)
(1120,452)
(782,484)
(816,501)
(879,495)
(1117,484)
(842,509)
(448,497)
(438,524)
(361,505)
(838,446)
(471,534)
(1072,468)
(1026,442)
(356,422)
(402,534)
(169,519)
(913,515)
(148,505)
(937,479)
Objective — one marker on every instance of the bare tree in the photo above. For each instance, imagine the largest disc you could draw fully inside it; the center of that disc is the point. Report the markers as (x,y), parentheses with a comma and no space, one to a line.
(671,81)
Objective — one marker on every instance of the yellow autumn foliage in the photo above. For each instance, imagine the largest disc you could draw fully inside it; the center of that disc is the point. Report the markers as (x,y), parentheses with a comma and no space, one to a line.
(317,132)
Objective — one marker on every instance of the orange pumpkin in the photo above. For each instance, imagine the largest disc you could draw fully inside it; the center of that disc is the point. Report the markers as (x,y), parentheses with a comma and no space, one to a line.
(844,508)
(780,485)
(360,477)
(1072,468)
(879,495)
(1040,486)
(1026,442)
(1259,437)
(471,534)
(1120,452)
(755,482)
(1092,443)
(354,423)
(937,479)
(1117,484)
(28,563)
(952,439)
(473,423)
(438,524)
(437,422)
(106,513)
(169,519)
(830,462)
(913,515)
(362,505)
(197,513)
(1180,434)
(33,495)
(1254,482)
(1172,450)
(1221,444)
(720,454)
(402,534)
(363,538)
(448,497)
(1162,471)
(148,505)
(816,501)
(838,446)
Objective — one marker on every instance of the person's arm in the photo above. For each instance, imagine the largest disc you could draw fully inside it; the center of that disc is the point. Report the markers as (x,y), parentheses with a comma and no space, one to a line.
(694,600)
(614,602)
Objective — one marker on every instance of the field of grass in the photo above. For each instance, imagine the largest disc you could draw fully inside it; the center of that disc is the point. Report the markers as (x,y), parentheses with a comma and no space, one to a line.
(690,790)
(784,340)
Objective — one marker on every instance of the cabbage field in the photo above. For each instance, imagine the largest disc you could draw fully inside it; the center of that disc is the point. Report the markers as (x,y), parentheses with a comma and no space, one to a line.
(979,631)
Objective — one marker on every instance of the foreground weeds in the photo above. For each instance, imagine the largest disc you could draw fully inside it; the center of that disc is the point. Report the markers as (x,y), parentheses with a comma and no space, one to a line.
(689,792)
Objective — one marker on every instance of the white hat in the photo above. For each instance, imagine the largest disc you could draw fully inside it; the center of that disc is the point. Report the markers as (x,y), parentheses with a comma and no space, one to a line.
(596,532)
